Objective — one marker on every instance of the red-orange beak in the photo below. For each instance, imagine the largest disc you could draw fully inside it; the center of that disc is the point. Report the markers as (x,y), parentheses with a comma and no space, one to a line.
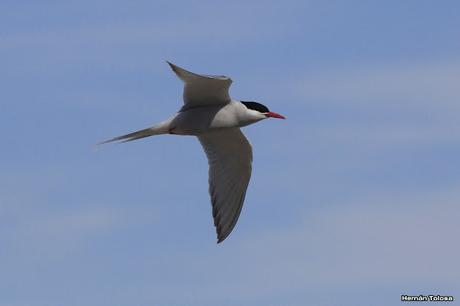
(274,115)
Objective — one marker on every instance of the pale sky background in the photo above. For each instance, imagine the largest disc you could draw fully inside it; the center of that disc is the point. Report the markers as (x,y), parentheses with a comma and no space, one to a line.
(354,200)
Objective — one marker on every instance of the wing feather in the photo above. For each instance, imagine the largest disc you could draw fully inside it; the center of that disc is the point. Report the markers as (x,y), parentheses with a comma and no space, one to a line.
(203,90)
(230,164)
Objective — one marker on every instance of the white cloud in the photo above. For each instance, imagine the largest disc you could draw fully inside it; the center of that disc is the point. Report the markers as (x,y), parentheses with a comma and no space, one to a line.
(407,241)
(379,106)
(433,84)
(49,230)
(32,223)
(208,21)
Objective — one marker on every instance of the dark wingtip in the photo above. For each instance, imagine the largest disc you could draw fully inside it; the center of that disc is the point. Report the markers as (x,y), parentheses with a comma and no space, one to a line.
(222,236)
(171,65)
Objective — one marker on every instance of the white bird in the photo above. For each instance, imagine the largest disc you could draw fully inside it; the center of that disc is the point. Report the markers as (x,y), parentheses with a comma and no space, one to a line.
(210,114)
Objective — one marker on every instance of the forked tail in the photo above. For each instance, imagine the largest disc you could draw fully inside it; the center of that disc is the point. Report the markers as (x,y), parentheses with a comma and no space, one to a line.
(159,129)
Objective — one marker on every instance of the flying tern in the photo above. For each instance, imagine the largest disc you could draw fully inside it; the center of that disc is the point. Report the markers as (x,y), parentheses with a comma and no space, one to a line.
(215,118)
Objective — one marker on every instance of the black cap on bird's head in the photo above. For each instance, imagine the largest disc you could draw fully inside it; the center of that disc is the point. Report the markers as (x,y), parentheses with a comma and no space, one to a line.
(261,109)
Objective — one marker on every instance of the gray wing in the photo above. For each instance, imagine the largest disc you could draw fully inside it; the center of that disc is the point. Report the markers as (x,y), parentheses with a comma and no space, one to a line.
(230,162)
(203,90)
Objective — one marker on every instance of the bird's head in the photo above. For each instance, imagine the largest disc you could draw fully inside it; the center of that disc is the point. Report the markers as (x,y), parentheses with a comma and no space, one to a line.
(261,110)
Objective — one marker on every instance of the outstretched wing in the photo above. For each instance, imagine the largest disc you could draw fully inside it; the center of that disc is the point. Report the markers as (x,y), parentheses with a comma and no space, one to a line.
(203,90)
(230,162)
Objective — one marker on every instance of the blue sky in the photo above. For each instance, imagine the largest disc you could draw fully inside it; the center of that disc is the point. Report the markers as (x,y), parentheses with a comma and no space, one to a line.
(354,200)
